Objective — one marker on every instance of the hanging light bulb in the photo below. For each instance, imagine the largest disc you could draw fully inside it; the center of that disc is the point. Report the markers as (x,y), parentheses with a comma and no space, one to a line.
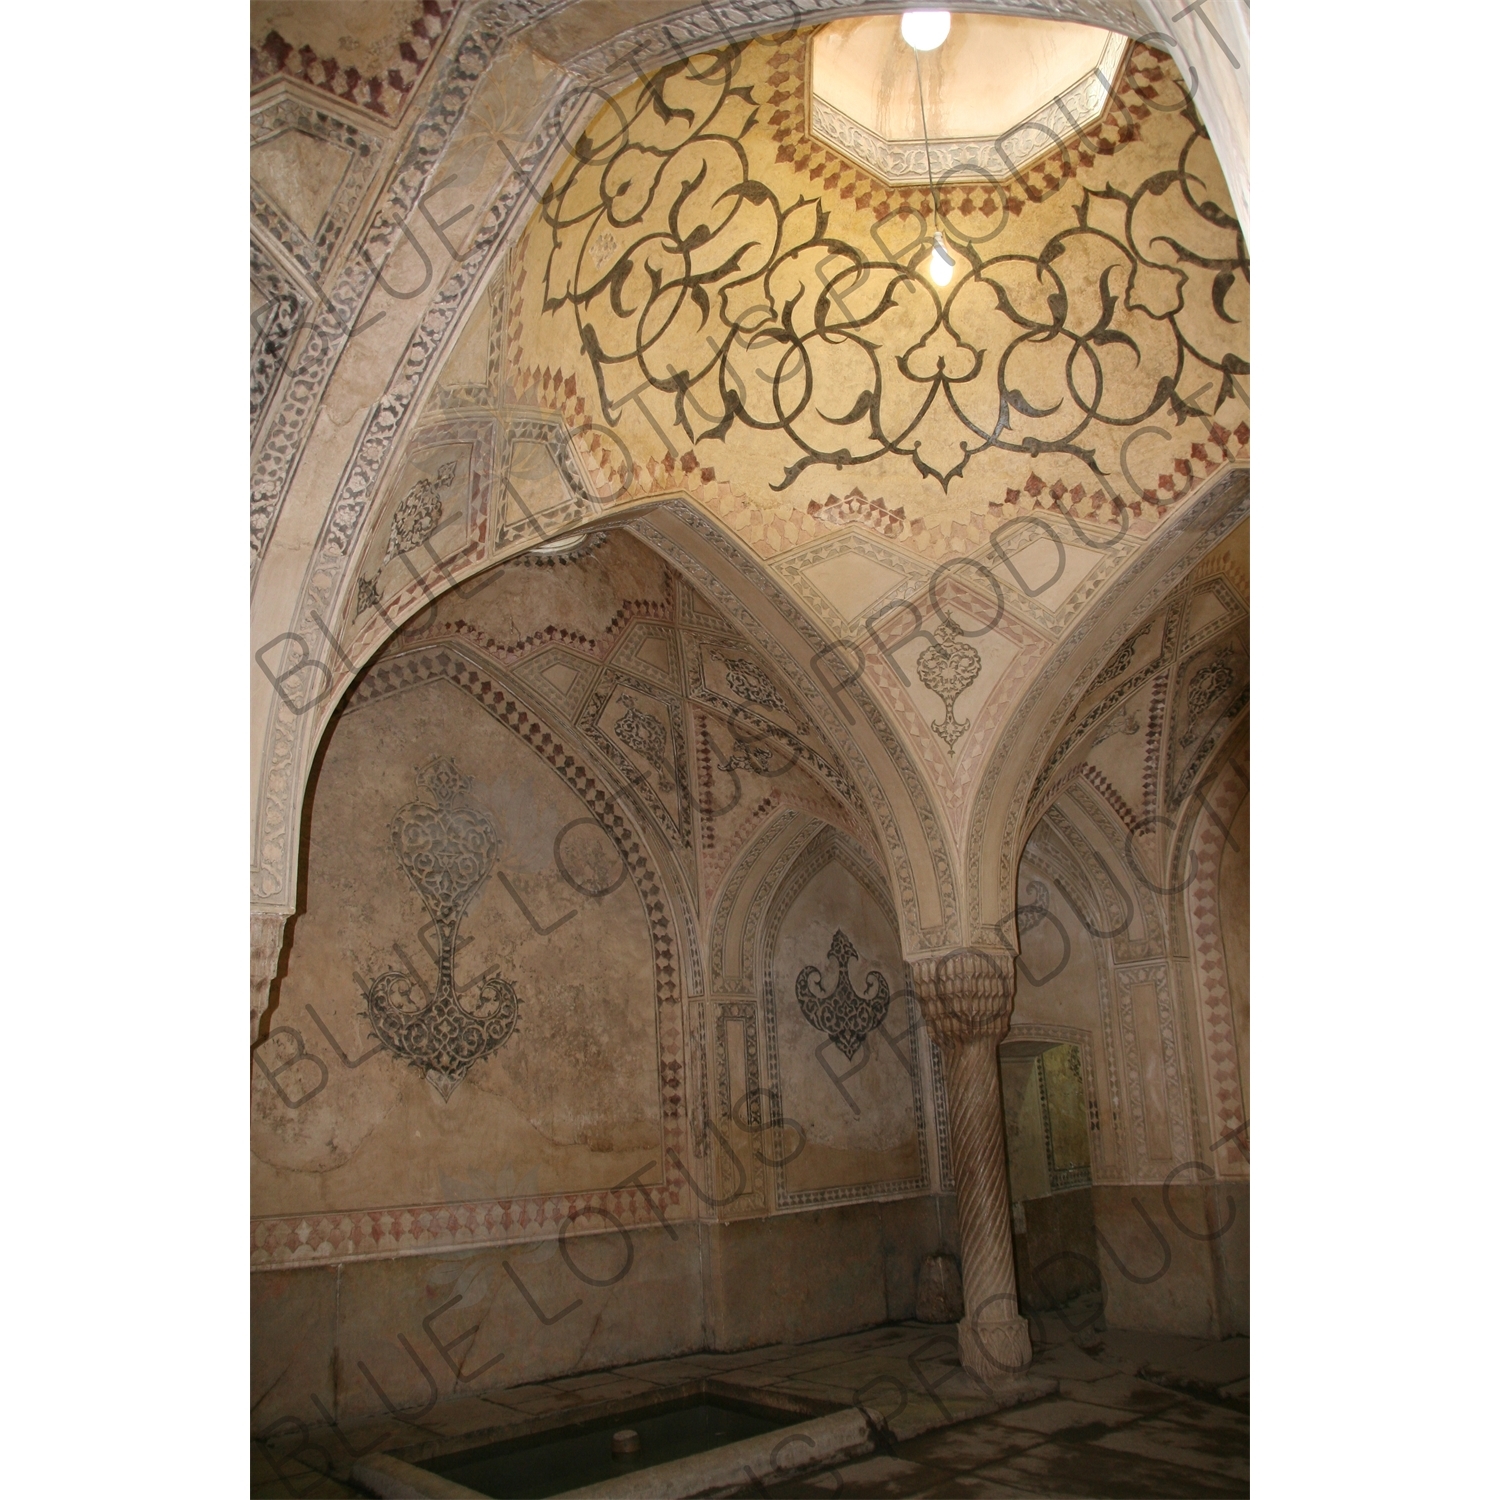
(940,267)
(925,29)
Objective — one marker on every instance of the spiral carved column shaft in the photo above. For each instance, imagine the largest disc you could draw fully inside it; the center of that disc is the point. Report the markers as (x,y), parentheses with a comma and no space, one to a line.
(966,1001)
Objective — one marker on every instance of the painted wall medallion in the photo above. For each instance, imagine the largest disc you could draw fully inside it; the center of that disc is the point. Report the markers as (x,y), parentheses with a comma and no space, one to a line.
(1207,686)
(645,734)
(367,595)
(417,516)
(446,849)
(947,667)
(1122,657)
(747,756)
(1124,720)
(848,1017)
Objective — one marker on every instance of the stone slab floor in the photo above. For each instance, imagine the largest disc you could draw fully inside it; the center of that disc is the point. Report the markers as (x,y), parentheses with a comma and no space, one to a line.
(1101,1414)
(1134,1414)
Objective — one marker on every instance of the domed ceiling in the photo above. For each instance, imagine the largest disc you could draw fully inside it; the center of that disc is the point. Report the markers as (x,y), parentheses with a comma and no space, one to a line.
(728,298)
(999,92)
(721,330)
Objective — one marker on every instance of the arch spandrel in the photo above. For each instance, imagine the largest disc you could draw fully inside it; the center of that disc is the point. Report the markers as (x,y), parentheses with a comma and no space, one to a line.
(1010,800)
(892,793)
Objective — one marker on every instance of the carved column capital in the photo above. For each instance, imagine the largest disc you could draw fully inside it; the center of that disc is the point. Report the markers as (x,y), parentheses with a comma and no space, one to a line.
(965,995)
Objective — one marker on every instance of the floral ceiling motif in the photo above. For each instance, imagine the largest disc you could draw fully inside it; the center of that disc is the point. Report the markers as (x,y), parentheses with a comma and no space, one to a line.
(679,273)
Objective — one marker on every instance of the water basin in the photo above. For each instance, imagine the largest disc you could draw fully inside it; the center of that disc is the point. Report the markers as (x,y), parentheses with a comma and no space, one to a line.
(551,1462)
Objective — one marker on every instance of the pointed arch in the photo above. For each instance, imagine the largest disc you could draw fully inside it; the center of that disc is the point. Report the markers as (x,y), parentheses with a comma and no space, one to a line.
(1003,814)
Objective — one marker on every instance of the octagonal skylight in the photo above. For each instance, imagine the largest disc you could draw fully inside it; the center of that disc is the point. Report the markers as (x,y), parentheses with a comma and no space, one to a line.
(999,92)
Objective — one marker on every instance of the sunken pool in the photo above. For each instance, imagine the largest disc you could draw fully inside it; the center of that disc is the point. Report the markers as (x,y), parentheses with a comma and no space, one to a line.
(567,1458)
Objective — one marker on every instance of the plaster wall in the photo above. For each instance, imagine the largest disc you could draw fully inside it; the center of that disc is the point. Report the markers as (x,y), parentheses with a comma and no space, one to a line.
(1048,1152)
(1234,930)
(1056,1254)
(1167,1035)
(1175,1261)
(1063,994)
(1025,1133)
(335,1343)
(861,1114)
(635,1170)
(425,1229)
(568,1102)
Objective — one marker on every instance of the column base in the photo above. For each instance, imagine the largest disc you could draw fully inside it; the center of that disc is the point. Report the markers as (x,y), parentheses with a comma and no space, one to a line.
(995,1350)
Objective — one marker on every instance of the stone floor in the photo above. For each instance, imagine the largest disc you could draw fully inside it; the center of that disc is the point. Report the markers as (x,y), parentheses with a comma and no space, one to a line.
(1130,1414)
(1134,1414)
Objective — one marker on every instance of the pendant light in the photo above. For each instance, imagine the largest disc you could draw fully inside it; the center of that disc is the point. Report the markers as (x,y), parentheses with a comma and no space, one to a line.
(940,266)
(924,31)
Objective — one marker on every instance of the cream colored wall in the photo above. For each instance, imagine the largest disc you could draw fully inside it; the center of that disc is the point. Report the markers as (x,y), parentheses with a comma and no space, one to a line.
(1171,1236)
(1062,994)
(1025,1133)
(570,1101)
(1146,841)
(620,1154)
(862,1115)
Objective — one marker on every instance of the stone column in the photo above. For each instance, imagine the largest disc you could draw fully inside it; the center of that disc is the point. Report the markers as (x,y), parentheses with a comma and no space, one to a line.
(265,953)
(966,1000)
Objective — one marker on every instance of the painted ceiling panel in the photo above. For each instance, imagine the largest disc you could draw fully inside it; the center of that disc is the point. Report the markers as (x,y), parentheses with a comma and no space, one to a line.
(715,304)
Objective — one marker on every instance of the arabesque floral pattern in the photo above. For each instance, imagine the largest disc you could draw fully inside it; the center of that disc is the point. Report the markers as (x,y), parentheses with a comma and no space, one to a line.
(696,290)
